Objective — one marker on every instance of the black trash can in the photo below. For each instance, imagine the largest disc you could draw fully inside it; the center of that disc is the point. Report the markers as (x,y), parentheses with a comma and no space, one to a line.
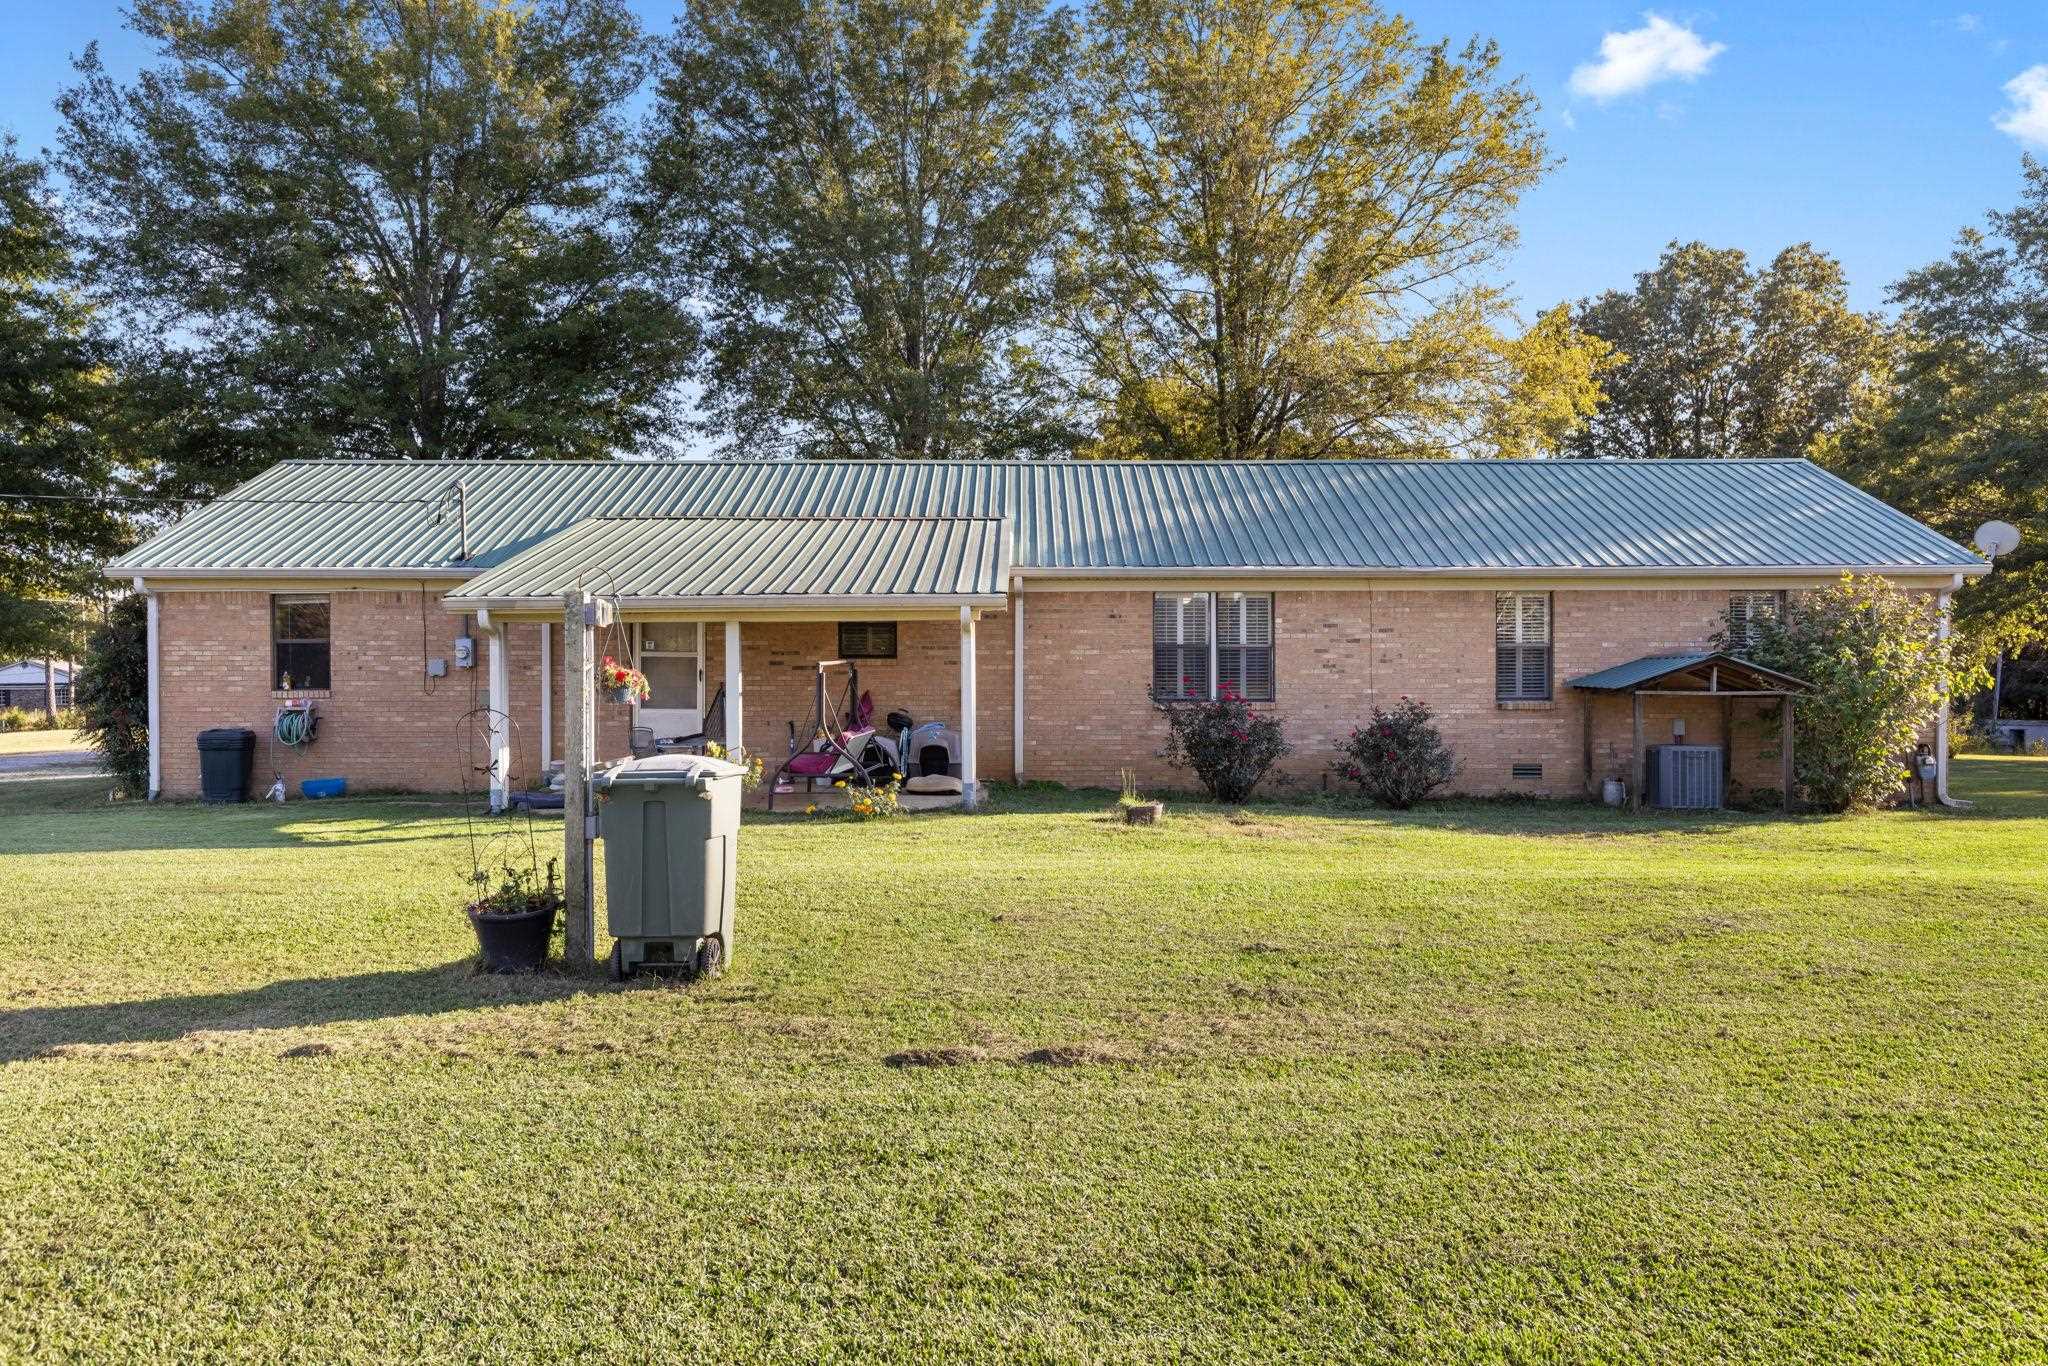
(224,759)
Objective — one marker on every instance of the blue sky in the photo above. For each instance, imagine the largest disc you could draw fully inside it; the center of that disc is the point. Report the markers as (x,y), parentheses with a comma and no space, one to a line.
(1870,129)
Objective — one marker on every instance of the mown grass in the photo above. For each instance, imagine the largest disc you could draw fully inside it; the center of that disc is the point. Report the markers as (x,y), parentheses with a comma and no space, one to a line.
(41,742)
(1298,1082)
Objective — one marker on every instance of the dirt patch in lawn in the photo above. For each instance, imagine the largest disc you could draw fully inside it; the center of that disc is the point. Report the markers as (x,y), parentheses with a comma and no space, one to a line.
(949,1055)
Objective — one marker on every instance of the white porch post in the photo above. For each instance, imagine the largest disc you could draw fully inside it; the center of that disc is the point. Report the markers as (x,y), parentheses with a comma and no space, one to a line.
(735,728)
(156,692)
(968,794)
(500,717)
(579,931)
(547,696)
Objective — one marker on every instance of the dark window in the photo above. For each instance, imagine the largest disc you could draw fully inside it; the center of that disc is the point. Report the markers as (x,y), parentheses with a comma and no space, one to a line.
(1749,612)
(1244,645)
(299,656)
(867,640)
(1180,647)
(1521,647)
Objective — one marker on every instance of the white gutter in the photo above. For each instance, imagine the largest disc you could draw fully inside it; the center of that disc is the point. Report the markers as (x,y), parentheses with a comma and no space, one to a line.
(1774,571)
(414,573)
(792,602)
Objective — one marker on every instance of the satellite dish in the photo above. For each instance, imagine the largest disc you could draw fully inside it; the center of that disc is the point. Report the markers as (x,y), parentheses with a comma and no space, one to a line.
(1997,538)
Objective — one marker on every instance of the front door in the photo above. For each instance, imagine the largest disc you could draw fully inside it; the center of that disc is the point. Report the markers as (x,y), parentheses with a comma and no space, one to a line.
(672,657)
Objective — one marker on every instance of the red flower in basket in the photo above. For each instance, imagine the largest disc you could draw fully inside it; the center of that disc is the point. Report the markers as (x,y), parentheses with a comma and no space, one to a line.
(624,684)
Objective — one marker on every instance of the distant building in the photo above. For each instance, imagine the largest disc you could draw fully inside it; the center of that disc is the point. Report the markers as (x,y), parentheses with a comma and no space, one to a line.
(21,684)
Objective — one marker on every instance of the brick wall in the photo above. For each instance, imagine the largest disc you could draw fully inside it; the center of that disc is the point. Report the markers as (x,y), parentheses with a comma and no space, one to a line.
(1087,668)
(1088,663)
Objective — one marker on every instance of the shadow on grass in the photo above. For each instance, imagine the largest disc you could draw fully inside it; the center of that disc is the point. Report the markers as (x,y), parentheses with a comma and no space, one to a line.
(74,816)
(35,1031)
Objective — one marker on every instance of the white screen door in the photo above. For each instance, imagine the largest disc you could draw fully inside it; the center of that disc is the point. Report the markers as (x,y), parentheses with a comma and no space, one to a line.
(672,657)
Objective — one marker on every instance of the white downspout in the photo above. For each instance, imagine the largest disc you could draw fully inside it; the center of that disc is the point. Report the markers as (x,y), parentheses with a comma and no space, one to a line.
(968,705)
(1941,732)
(1016,686)
(156,691)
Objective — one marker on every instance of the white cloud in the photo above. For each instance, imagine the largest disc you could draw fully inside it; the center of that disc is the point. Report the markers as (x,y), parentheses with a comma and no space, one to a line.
(2027,120)
(1568,119)
(1658,51)
(1969,23)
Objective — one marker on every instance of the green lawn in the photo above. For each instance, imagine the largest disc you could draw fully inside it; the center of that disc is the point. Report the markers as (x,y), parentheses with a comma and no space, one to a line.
(41,742)
(1486,1082)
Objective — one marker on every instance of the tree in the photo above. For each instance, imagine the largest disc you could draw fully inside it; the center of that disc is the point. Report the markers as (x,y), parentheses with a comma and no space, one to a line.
(1880,667)
(1288,211)
(377,228)
(1961,437)
(869,195)
(56,523)
(1722,360)
(111,691)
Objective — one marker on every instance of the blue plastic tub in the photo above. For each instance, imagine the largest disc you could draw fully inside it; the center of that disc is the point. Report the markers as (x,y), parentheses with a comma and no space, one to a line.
(316,788)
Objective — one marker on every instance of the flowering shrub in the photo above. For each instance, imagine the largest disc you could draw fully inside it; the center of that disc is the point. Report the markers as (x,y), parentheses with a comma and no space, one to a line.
(1398,757)
(749,780)
(1226,743)
(617,677)
(864,800)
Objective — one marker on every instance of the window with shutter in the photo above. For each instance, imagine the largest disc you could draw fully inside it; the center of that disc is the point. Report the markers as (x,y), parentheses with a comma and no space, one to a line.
(1244,645)
(1521,647)
(1749,611)
(1180,647)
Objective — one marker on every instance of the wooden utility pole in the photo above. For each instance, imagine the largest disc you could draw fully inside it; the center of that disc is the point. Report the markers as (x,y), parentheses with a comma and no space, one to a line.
(579,742)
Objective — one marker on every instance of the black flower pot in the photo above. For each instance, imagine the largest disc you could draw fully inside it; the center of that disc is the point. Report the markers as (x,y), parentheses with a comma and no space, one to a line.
(514,943)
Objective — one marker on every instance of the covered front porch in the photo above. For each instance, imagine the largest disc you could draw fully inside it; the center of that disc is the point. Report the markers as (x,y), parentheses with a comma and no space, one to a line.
(729,617)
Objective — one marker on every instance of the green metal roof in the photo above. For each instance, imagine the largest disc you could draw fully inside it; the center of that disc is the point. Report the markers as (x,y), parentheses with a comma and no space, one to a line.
(648,560)
(1651,668)
(1079,517)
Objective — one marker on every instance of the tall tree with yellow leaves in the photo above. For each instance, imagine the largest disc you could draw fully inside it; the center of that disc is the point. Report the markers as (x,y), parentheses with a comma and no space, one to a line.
(1291,207)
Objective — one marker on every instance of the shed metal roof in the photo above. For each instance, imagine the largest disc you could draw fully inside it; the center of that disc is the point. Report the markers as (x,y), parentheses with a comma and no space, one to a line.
(1649,669)
(902,560)
(1080,517)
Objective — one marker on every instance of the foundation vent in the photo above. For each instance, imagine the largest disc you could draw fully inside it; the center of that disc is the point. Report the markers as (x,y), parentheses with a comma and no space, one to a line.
(1525,771)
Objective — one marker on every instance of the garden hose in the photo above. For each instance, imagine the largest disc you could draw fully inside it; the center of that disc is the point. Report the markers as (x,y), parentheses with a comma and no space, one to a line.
(295,727)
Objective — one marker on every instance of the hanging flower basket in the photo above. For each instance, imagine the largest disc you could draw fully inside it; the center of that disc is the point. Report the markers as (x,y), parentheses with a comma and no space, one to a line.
(623,684)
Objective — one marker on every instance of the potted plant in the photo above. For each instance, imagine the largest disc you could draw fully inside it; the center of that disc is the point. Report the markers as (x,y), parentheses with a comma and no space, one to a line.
(1137,810)
(622,683)
(515,919)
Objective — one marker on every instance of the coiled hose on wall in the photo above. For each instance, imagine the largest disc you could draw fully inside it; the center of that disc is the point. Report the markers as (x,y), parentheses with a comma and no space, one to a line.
(294,727)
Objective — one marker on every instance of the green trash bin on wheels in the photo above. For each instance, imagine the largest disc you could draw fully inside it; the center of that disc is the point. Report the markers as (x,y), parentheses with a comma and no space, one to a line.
(671,831)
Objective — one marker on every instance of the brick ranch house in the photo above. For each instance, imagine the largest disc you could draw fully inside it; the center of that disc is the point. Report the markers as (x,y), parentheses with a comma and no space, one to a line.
(1064,599)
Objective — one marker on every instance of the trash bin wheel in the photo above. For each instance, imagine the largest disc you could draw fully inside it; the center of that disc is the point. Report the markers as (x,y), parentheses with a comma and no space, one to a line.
(710,956)
(617,963)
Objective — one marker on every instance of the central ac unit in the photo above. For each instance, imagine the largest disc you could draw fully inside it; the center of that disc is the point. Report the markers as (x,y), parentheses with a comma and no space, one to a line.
(1684,777)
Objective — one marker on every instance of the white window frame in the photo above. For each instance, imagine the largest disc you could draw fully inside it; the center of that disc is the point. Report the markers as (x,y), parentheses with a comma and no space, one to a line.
(1776,597)
(1211,597)
(1548,646)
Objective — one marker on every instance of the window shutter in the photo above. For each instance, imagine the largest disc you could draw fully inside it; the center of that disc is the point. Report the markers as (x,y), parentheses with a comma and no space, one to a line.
(1180,645)
(1244,640)
(1521,647)
(1748,611)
